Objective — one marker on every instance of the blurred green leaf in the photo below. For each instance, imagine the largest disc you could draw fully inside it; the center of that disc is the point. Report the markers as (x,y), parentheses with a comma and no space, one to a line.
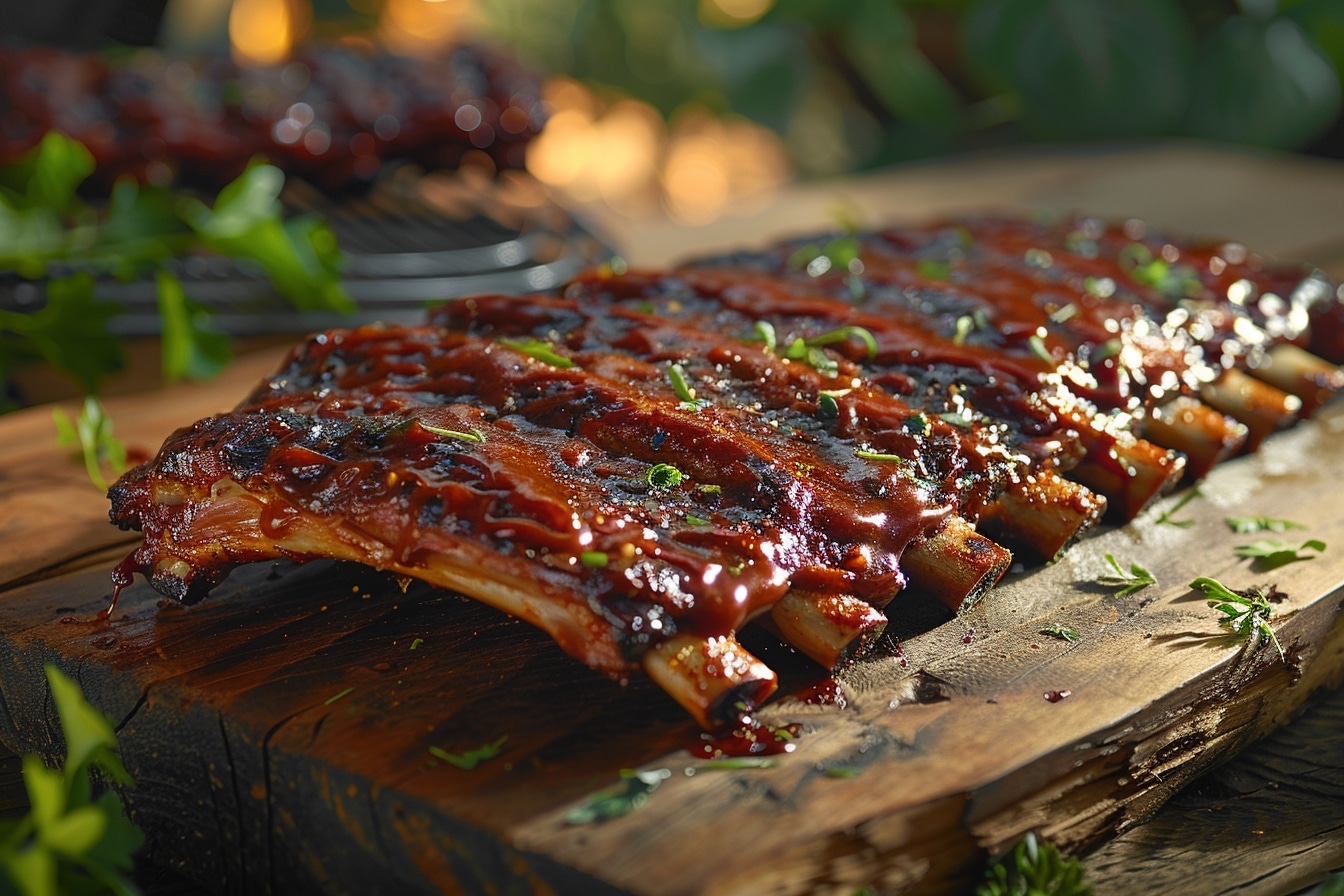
(49,174)
(1262,83)
(191,347)
(1323,21)
(879,42)
(1083,68)
(69,332)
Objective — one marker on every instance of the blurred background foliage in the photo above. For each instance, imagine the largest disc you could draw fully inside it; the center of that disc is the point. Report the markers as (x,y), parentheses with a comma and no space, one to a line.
(697,106)
(868,82)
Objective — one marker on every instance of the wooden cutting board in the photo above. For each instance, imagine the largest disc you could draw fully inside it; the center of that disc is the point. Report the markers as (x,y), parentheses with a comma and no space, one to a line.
(280,732)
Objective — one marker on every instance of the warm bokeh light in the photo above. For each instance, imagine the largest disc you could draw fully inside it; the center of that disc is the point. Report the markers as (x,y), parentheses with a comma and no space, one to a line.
(262,32)
(733,13)
(422,26)
(714,163)
(622,154)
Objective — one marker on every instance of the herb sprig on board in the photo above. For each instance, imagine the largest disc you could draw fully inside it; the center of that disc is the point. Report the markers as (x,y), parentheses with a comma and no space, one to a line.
(48,232)
(71,841)
(1034,868)
(1245,612)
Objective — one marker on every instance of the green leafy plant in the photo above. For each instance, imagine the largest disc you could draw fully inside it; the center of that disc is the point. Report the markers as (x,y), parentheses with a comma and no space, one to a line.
(868,82)
(1034,868)
(1245,612)
(1125,583)
(48,232)
(91,430)
(71,841)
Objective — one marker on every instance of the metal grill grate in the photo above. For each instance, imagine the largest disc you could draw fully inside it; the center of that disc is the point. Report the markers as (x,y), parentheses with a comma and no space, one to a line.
(411,240)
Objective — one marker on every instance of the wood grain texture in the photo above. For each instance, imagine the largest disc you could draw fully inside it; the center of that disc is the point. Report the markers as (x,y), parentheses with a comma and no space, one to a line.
(280,731)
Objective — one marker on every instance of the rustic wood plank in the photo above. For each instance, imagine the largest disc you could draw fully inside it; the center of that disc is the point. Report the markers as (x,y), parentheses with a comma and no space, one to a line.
(251,779)
(1269,822)
(236,720)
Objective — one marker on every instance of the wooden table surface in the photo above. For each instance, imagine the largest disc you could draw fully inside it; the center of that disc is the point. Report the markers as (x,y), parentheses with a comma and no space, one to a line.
(1268,822)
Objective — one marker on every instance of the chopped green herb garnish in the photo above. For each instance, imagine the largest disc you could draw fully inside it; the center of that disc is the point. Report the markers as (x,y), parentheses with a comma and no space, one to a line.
(594,559)
(474,436)
(1101,287)
(1108,349)
(736,762)
(1063,313)
(1062,632)
(472,758)
(765,332)
(693,520)
(619,799)
(663,476)
(843,771)
(815,358)
(1248,525)
(540,350)
(1039,349)
(1245,612)
(827,407)
(1271,553)
(676,375)
(709,488)
(1034,868)
(1127,583)
(415,645)
(916,425)
(956,418)
(877,455)
(965,325)
(843,334)
(1166,517)
(92,432)
(338,695)
(933,269)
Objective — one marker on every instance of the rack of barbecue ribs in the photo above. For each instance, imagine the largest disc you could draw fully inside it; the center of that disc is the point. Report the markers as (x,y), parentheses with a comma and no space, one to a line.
(332,115)
(643,462)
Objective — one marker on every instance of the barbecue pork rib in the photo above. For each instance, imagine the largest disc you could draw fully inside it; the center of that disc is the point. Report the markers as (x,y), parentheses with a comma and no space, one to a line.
(644,462)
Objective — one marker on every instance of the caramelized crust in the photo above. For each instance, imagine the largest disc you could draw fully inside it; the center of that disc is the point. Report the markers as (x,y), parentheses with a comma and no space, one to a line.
(647,461)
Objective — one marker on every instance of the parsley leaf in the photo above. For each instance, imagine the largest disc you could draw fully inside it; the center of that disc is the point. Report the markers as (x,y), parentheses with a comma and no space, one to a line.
(92,432)
(1126,583)
(1271,553)
(1249,525)
(1167,516)
(619,799)
(1245,612)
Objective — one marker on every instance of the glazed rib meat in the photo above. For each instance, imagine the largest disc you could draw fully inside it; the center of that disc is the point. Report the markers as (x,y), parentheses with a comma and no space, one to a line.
(644,462)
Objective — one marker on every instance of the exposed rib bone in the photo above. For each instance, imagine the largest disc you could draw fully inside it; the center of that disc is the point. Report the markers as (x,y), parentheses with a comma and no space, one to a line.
(1297,371)
(832,629)
(1262,407)
(1044,513)
(1206,437)
(956,564)
(714,679)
